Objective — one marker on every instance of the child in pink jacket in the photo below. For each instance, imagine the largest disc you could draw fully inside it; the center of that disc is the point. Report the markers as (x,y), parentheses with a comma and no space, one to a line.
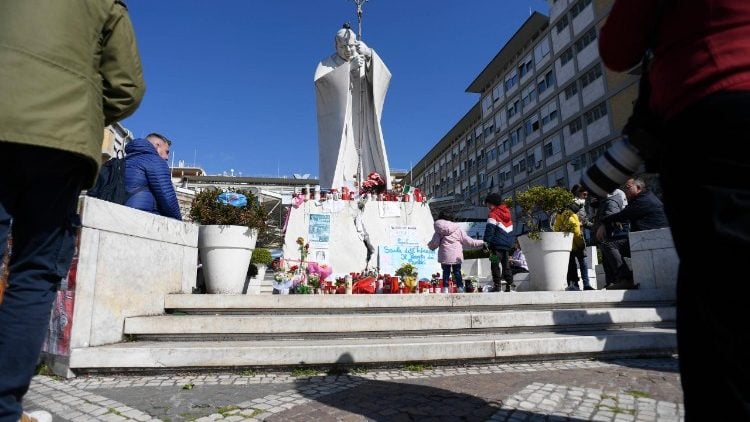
(452,241)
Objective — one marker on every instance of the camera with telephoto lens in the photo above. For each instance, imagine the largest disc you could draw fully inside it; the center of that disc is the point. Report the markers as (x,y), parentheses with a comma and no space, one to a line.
(640,144)
(617,165)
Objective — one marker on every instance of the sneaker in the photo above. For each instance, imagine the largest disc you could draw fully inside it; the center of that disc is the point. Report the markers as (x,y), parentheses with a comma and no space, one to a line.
(36,416)
(572,288)
(588,288)
(460,290)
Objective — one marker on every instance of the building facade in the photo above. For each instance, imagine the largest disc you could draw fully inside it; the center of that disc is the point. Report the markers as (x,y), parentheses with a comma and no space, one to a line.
(548,108)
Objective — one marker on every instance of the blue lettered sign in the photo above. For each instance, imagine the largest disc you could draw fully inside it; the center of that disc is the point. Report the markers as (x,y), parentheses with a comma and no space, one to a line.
(391,258)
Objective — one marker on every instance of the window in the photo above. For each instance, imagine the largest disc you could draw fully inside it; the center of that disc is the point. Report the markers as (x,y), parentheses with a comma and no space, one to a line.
(511,81)
(547,81)
(549,113)
(591,76)
(531,125)
(579,162)
(575,125)
(521,165)
(562,24)
(525,68)
(528,95)
(548,151)
(488,130)
(571,90)
(498,122)
(497,93)
(595,113)
(514,108)
(578,7)
(503,147)
(586,39)
(516,136)
(542,49)
(486,104)
(566,56)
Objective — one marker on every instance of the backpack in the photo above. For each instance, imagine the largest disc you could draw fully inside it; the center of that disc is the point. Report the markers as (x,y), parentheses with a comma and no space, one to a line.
(110,184)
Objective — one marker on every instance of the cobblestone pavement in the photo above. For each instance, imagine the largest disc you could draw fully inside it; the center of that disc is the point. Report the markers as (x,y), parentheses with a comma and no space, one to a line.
(572,390)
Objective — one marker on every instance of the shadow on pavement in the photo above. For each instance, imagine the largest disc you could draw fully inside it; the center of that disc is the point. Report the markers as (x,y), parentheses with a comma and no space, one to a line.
(380,400)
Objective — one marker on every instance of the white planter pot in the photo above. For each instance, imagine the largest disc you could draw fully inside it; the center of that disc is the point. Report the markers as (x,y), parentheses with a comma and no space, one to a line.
(225,253)
(548,260)
(253,283)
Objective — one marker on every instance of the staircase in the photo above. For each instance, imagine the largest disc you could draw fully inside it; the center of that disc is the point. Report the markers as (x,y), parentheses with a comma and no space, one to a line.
(200,331)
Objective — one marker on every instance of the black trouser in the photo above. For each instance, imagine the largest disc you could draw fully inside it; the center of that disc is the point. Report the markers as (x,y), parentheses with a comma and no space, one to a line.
(706,182)
(40,195)
(613,252)
(499,274)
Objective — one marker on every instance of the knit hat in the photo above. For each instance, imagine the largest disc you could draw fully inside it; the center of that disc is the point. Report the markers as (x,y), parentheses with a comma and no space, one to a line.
(494,199)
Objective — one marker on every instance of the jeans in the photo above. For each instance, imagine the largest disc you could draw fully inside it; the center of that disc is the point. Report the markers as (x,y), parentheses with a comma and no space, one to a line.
(572,275)
(456,270)
(707,200)
(40,196)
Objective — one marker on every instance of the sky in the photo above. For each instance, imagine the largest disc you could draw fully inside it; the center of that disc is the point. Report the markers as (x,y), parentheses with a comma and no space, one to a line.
(230,82)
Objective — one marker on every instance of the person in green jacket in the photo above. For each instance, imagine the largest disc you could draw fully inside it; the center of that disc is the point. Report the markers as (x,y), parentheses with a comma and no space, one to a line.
(67,69)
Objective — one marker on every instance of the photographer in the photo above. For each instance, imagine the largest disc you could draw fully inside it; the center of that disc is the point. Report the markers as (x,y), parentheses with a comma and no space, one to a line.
(700,87)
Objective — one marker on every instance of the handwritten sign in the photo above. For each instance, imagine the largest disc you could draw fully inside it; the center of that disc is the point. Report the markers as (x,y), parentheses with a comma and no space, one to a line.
(404,235)
(391,258)
(319,231)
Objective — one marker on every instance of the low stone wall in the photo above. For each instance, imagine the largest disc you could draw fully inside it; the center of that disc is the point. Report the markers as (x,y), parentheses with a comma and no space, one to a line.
(654,259)
(126,263)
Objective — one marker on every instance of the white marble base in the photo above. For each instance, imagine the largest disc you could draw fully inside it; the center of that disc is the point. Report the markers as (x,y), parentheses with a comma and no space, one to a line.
(128,261)
(654,259)
(345,251)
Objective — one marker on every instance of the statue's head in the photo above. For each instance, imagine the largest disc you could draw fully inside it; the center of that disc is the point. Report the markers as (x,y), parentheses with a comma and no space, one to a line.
(346,42)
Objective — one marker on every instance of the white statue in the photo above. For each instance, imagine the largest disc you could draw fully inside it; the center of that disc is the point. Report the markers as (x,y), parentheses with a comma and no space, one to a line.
(350,88)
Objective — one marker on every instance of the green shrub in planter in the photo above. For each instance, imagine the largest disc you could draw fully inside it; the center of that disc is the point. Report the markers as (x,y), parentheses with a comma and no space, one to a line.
(261,256)
(542,199)
(207,210)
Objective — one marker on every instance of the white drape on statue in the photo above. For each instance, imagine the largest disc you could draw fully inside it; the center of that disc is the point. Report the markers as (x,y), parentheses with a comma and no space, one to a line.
(338,93)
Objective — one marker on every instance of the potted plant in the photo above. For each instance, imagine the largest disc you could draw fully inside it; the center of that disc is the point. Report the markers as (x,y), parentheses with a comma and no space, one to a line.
(230,225)
(260,259)
(313,280)
(408,274)
(547,251)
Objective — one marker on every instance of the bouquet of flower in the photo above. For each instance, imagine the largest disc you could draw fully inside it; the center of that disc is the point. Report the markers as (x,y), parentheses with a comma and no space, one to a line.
(303,247)
(406,270)
(281,276)
(373,184)
(281,280)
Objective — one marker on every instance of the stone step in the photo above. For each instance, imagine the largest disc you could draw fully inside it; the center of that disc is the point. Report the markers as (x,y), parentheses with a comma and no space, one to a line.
(212,327)
(433,302)
(496,347)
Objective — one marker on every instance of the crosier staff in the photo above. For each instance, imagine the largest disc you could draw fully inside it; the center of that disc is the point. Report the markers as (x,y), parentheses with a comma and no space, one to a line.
(362,92)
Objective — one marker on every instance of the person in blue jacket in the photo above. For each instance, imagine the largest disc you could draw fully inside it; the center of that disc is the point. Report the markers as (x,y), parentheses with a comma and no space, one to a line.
(148,179)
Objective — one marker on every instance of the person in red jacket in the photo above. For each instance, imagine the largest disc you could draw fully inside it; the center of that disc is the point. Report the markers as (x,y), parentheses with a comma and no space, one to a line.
(498,235)
(700,80)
